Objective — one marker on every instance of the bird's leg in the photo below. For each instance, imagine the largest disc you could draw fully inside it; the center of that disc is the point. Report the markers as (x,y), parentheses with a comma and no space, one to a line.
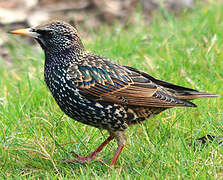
(121,139)
(92,156)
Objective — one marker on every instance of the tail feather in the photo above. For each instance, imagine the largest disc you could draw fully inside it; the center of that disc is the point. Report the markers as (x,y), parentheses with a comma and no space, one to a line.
(179,92)
(194,95)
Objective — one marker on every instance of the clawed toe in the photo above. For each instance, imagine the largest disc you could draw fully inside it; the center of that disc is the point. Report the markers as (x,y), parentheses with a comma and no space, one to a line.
(80,159)
(75,154)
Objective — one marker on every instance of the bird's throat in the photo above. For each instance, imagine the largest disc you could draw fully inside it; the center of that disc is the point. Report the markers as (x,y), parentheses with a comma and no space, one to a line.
(41,42)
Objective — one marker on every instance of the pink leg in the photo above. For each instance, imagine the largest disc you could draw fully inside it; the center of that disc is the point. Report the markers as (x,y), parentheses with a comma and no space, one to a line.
(120,136)
(117,153)
(92,156)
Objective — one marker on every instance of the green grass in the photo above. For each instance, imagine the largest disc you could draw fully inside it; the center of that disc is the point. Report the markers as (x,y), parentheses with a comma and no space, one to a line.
(186,50)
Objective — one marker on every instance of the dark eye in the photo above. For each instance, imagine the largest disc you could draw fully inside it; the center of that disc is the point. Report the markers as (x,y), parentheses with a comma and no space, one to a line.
(45,32)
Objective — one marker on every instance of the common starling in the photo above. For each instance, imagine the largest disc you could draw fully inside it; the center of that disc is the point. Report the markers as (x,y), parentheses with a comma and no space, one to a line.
(96,91)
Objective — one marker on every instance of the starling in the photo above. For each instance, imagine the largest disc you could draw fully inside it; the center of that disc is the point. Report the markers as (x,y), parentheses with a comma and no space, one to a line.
(96,91)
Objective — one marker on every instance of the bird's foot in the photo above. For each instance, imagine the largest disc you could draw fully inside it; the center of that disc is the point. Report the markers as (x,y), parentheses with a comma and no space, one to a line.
(80,159)
(92,156)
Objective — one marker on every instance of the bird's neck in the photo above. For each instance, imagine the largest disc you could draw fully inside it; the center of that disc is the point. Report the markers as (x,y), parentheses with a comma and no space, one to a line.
(63,57)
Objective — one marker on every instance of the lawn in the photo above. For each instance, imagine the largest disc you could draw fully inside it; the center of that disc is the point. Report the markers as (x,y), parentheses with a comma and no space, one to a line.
(187,50)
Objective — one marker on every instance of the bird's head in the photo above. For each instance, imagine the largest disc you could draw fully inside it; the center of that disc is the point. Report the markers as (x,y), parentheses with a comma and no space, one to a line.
(54,36)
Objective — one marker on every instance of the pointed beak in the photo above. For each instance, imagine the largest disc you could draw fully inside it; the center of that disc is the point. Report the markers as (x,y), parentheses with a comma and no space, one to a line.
(25,32)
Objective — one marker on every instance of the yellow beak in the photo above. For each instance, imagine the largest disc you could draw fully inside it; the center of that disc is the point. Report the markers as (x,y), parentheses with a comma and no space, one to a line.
(25,32)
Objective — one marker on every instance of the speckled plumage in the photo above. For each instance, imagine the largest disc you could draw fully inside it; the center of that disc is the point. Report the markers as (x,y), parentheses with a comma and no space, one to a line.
(99,92)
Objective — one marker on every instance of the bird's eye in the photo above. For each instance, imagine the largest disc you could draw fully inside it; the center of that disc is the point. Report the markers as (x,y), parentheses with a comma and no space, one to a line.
(45,32)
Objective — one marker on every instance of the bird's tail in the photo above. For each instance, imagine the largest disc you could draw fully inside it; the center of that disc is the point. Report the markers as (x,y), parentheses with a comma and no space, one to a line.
(194,95)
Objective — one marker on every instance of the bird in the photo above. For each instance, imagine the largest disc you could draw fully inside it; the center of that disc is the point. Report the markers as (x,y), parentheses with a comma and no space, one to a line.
(97,91)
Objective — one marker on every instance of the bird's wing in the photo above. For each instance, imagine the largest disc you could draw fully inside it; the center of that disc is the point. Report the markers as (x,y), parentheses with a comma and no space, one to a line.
(101,79)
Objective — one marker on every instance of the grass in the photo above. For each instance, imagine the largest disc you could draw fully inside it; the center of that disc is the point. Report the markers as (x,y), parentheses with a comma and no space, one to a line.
(186,50)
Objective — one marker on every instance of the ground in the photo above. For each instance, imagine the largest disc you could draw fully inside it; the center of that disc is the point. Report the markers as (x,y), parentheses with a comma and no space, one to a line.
(186,50)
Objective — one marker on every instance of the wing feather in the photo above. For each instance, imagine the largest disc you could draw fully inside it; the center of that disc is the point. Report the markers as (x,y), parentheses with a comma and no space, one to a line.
(101,79)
